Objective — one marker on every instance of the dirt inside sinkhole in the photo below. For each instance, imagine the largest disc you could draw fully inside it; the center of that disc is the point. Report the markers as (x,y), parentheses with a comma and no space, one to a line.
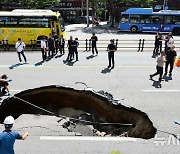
(96,107)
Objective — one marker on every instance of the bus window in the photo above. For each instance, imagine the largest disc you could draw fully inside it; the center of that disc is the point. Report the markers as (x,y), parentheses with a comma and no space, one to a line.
(176,20)
(124,18)
(61,24)
(34,22)
(135,19)
(10,21)
(146,19)
(168,19)
(156,20)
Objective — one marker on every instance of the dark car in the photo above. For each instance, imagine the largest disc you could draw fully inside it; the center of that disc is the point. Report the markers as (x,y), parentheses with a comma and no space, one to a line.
(81,19)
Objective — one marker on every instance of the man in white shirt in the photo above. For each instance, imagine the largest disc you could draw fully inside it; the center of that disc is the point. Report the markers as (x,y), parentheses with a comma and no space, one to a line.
(159,67)
(170,42)
(44,48)
(20,46)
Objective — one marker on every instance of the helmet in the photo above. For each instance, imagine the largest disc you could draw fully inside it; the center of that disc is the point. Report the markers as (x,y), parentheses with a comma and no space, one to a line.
(9,120)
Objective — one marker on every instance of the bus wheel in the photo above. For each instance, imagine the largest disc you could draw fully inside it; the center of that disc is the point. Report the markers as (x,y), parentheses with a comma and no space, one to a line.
(134,29)
(176,31)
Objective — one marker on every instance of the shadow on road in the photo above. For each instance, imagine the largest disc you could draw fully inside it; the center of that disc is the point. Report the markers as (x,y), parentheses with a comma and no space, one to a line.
(106,70)
(91,56)
(14,66)
(69,63)
(156,84)
(39,63)
(59,56)
(167,78)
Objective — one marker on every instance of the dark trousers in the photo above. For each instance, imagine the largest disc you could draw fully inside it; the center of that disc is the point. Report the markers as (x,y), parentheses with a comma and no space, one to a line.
(51,51)
(171,63)
(111,58)
(70,54)
(61,49)
(76,53)
(3,86)
(156,48)
(19,55)
(94,47)
(159,71)
(44,54)
(56,47)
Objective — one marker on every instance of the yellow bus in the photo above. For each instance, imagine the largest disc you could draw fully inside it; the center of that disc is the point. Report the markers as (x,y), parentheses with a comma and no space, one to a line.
(29,25)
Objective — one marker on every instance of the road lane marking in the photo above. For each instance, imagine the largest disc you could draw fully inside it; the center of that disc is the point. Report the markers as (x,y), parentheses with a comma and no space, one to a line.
(16,90)
(83,138)
(73,66)
(159,91)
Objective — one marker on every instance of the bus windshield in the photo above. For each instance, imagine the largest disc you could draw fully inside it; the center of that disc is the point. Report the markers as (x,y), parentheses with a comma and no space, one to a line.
(29,25)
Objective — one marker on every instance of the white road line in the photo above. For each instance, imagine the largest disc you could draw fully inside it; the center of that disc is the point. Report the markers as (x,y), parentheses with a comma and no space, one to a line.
(159,91)
(83,138)
(16,90)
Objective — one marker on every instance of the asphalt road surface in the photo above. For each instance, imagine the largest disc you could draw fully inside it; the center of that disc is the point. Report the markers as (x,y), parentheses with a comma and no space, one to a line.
(129,80)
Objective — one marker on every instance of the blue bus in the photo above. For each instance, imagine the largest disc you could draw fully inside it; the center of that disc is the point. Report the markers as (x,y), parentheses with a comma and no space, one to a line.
(145,20)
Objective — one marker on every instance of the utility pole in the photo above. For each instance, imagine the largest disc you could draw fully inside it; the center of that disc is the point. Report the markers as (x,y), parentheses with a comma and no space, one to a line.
(87,12)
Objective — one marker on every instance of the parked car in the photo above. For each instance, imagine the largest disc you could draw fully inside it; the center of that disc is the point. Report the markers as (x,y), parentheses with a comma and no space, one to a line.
(81,19)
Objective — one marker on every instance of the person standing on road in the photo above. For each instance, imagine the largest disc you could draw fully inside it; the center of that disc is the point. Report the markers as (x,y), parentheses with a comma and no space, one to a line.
(76,43)
(111,49)
(20,46)
(157,44)
(56,40)
(70,49)
(94,40)
(170,59)
(44,48)
(51,46)
(61,45)
(170,42)
(159,67)
(4,84)
(8,137)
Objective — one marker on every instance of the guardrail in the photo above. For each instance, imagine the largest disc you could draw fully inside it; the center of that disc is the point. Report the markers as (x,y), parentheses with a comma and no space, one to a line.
(138,45)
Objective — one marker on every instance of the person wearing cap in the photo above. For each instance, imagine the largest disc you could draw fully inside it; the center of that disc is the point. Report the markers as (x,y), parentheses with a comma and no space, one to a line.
(8,137)
(94,39)
(43,48)
(4,84)
(20,46)
(111,49)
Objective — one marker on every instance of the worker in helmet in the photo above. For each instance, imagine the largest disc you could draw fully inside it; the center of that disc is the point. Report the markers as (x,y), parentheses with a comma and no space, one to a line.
(8,137)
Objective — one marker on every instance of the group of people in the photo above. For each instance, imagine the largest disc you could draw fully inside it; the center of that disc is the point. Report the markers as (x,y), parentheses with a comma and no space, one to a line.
(159,38)
(168,58)
(53,44)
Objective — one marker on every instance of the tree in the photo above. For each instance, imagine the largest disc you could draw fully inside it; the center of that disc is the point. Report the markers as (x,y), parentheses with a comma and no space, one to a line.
(31,4)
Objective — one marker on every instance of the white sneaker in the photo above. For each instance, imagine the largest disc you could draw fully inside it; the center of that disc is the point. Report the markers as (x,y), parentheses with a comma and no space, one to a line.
(26,63)
(21,62)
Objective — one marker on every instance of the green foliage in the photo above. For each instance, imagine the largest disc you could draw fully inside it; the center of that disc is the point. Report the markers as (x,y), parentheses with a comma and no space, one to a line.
(35,4)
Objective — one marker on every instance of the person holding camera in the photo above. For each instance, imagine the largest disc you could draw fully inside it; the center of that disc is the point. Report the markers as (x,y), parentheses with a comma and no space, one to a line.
(20,46)
(111,49)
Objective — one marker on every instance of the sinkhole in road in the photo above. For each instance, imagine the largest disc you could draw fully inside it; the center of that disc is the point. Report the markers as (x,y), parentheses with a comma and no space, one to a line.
(83,107)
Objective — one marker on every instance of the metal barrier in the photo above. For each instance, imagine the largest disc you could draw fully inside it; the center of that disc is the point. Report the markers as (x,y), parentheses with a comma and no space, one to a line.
(86,45)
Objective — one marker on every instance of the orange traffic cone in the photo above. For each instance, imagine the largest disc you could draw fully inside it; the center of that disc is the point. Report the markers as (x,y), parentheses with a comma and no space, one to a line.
(177,63)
